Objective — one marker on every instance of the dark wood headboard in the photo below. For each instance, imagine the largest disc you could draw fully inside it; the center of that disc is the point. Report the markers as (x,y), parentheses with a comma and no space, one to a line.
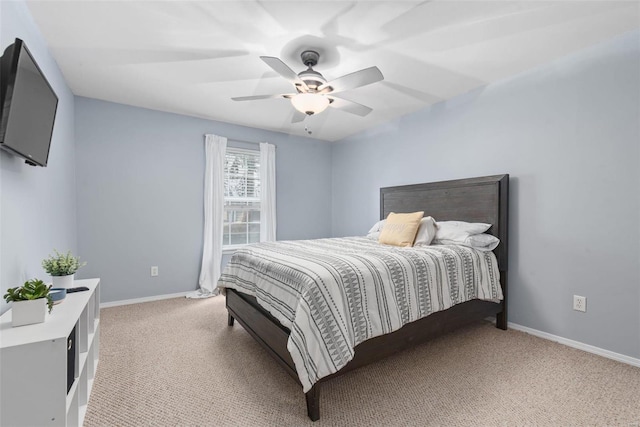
(484,199)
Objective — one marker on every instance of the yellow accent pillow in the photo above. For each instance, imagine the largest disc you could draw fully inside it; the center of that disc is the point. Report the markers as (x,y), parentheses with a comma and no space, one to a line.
(400,229)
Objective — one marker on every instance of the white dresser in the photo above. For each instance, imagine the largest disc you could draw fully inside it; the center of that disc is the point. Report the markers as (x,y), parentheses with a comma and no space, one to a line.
(34,361)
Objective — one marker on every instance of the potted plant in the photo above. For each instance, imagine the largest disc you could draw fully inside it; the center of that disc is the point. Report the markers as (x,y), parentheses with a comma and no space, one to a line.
(62,268)
(30,302)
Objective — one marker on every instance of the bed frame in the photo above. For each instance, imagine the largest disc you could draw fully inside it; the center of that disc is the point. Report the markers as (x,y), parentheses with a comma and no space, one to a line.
(484,199)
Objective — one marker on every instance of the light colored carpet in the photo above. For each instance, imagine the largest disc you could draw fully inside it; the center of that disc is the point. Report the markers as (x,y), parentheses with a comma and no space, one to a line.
(176,363)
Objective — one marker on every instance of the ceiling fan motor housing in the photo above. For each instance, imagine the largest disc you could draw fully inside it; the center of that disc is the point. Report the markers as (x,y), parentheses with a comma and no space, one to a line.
(313,79)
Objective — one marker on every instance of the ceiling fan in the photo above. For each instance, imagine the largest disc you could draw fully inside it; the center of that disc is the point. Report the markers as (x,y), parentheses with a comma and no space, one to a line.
(313,92)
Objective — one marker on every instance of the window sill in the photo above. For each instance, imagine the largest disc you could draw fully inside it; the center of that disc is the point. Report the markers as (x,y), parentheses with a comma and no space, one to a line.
(228,250)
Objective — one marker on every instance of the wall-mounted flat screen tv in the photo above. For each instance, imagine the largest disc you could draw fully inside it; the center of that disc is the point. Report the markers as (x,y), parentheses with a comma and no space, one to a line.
(28,105)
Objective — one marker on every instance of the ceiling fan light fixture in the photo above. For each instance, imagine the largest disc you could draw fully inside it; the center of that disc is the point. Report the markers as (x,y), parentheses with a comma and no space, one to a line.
(310,103)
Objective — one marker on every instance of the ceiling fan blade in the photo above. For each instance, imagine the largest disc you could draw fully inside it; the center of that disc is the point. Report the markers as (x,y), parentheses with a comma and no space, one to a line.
(126,56)
(349,106)
(298,117)
(255,97)
(284,70)
(352,80)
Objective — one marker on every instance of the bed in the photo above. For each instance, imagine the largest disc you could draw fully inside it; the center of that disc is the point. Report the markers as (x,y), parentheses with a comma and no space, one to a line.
(483,199)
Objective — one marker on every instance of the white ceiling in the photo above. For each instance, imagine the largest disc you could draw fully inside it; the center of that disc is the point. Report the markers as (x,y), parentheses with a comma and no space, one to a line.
(191,57)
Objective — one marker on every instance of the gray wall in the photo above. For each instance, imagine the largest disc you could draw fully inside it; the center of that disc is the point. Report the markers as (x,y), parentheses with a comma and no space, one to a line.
(37,205)
(568,133)
(140,194)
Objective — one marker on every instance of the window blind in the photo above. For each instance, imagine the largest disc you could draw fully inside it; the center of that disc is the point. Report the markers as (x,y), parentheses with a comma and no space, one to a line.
(242,197)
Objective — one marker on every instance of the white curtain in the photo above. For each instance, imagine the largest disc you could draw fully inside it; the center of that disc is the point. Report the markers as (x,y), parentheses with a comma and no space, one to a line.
(267,192)
(215,147)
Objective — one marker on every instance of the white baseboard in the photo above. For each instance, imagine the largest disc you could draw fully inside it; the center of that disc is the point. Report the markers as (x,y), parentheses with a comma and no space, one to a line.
(143,299)
(576,344)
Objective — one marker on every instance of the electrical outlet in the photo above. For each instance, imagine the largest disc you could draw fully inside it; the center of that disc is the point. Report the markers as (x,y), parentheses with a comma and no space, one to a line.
(579,303)
(154,271)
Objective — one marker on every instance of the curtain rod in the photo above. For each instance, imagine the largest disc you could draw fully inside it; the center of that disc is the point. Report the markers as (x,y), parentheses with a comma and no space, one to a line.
(245,141)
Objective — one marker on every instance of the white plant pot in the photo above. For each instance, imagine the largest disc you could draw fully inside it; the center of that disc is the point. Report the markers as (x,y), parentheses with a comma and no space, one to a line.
(65,282)
(28,312)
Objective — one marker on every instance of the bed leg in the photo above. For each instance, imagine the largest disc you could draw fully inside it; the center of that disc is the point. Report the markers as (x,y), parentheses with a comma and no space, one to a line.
(501,320)
(313,402)
(230,320)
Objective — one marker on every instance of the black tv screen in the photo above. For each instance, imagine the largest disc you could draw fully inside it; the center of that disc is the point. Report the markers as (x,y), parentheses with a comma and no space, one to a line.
(29,106)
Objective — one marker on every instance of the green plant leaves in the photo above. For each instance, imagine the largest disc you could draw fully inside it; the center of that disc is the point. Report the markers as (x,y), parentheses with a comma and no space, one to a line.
(61,264)
(32,289)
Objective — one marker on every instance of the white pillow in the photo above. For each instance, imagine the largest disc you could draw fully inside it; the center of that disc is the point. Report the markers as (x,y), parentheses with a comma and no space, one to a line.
(377,226)
(481,242)
(459,230)
(374,233)
(426,232)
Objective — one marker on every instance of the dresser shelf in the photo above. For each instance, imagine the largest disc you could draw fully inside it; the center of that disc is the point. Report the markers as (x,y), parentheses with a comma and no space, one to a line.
(33,362)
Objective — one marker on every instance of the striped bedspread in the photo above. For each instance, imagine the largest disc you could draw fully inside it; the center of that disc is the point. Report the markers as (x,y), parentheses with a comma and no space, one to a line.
(335,293)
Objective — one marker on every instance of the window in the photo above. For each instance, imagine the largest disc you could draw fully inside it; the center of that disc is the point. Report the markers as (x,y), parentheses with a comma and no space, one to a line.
(241,197)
